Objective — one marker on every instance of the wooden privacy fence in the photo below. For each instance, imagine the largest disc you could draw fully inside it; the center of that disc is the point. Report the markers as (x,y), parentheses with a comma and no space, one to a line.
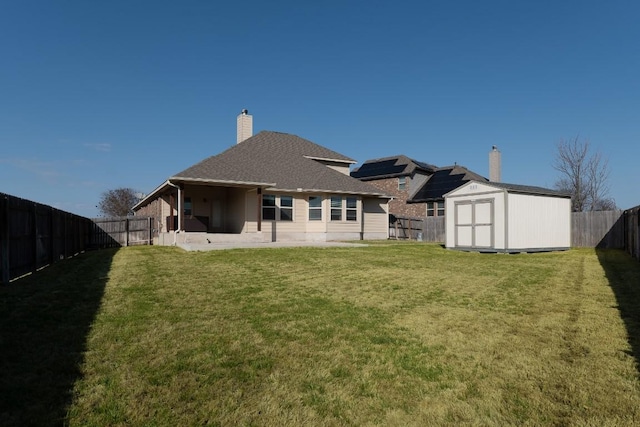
(598,229)
(33,235)
(427,229)
(607,230)
(632,231)
(127,231)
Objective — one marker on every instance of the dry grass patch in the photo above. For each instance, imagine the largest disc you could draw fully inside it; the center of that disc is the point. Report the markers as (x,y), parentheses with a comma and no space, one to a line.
(390,334)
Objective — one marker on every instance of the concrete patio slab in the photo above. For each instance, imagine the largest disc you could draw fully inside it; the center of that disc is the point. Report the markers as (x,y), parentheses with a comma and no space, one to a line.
(256,245)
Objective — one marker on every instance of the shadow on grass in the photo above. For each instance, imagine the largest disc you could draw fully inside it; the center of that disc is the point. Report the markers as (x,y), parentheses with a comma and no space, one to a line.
(623,273)
(45,319)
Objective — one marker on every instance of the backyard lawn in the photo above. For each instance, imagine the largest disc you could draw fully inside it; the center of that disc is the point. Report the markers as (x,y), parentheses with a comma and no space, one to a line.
(393,334)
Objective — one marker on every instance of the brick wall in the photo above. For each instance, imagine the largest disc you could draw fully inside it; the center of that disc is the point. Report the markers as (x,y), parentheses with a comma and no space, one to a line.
(398,206)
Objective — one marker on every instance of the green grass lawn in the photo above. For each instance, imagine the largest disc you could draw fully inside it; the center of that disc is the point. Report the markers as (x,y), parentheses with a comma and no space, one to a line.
(393,334)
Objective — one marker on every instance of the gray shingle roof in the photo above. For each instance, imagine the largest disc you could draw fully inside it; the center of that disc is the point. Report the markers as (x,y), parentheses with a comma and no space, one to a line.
(529,189)
(282,159)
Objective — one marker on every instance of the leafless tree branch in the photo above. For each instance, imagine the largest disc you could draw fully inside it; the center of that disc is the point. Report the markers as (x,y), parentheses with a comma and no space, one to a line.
(585,176)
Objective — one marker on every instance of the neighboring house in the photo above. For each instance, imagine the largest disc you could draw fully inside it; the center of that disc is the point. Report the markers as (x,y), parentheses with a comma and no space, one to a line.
(417,188)
(269,187)
(400,177)
(500,217)
(442,181)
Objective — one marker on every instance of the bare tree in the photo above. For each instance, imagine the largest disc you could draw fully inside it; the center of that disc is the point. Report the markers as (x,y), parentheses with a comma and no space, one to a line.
(118,202)
(584,175)
(597,183)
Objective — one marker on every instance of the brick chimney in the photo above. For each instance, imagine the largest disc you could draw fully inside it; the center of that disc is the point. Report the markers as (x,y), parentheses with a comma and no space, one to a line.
(245,126)
(495,165)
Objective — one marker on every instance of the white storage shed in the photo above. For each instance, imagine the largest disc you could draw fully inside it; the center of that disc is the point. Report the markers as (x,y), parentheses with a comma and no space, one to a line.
(499,217)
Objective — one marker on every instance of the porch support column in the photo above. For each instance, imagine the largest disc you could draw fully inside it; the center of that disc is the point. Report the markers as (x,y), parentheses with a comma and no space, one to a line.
(259,209)
(180,210)
(171,226)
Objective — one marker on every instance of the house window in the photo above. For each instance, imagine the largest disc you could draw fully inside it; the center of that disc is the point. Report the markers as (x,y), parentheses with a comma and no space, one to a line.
(187,206)
(435,208)
(344,208)
(352,209)
(269,207)
(336,208)
(277,208)
(315,208)
(286,208)
(402,183)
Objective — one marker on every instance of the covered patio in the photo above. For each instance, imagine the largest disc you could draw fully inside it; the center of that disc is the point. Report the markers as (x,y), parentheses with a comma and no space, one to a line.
(205,211)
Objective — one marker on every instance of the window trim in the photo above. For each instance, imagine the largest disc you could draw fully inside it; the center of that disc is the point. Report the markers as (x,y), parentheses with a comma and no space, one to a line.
(402,183)
(314,208)
(277,207)
(435,209)
(336,208)
(282,208)
(353,209)
(269,207)
(344,209)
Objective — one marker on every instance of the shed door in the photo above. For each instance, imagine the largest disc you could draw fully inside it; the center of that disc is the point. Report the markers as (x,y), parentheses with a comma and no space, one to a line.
(474,224)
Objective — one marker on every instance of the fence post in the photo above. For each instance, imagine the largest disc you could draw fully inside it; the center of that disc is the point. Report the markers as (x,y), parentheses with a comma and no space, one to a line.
(65,234)
(51,246)
(4,239)
(636,241)
(34,223)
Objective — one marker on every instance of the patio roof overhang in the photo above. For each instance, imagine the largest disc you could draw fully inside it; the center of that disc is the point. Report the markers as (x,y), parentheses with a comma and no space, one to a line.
(175,180)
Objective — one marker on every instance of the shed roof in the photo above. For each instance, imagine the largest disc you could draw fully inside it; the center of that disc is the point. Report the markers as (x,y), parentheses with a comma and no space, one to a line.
(521,189)
(529,189)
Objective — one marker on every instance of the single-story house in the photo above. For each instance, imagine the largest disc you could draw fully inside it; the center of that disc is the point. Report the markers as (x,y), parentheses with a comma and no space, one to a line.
(500,217)
(272,186)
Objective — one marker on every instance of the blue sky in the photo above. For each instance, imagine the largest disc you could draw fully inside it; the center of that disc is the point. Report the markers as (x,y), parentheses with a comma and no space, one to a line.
(100,95)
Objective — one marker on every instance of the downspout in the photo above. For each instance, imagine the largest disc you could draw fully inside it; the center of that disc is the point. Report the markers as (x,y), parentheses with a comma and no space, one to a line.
(362,219)
(259,224)
(506,219)
(177,230)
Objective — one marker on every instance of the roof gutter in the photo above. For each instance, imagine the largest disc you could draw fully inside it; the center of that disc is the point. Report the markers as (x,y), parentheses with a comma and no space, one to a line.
(150,195)
(326,159)
(230,183)
(319,190)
